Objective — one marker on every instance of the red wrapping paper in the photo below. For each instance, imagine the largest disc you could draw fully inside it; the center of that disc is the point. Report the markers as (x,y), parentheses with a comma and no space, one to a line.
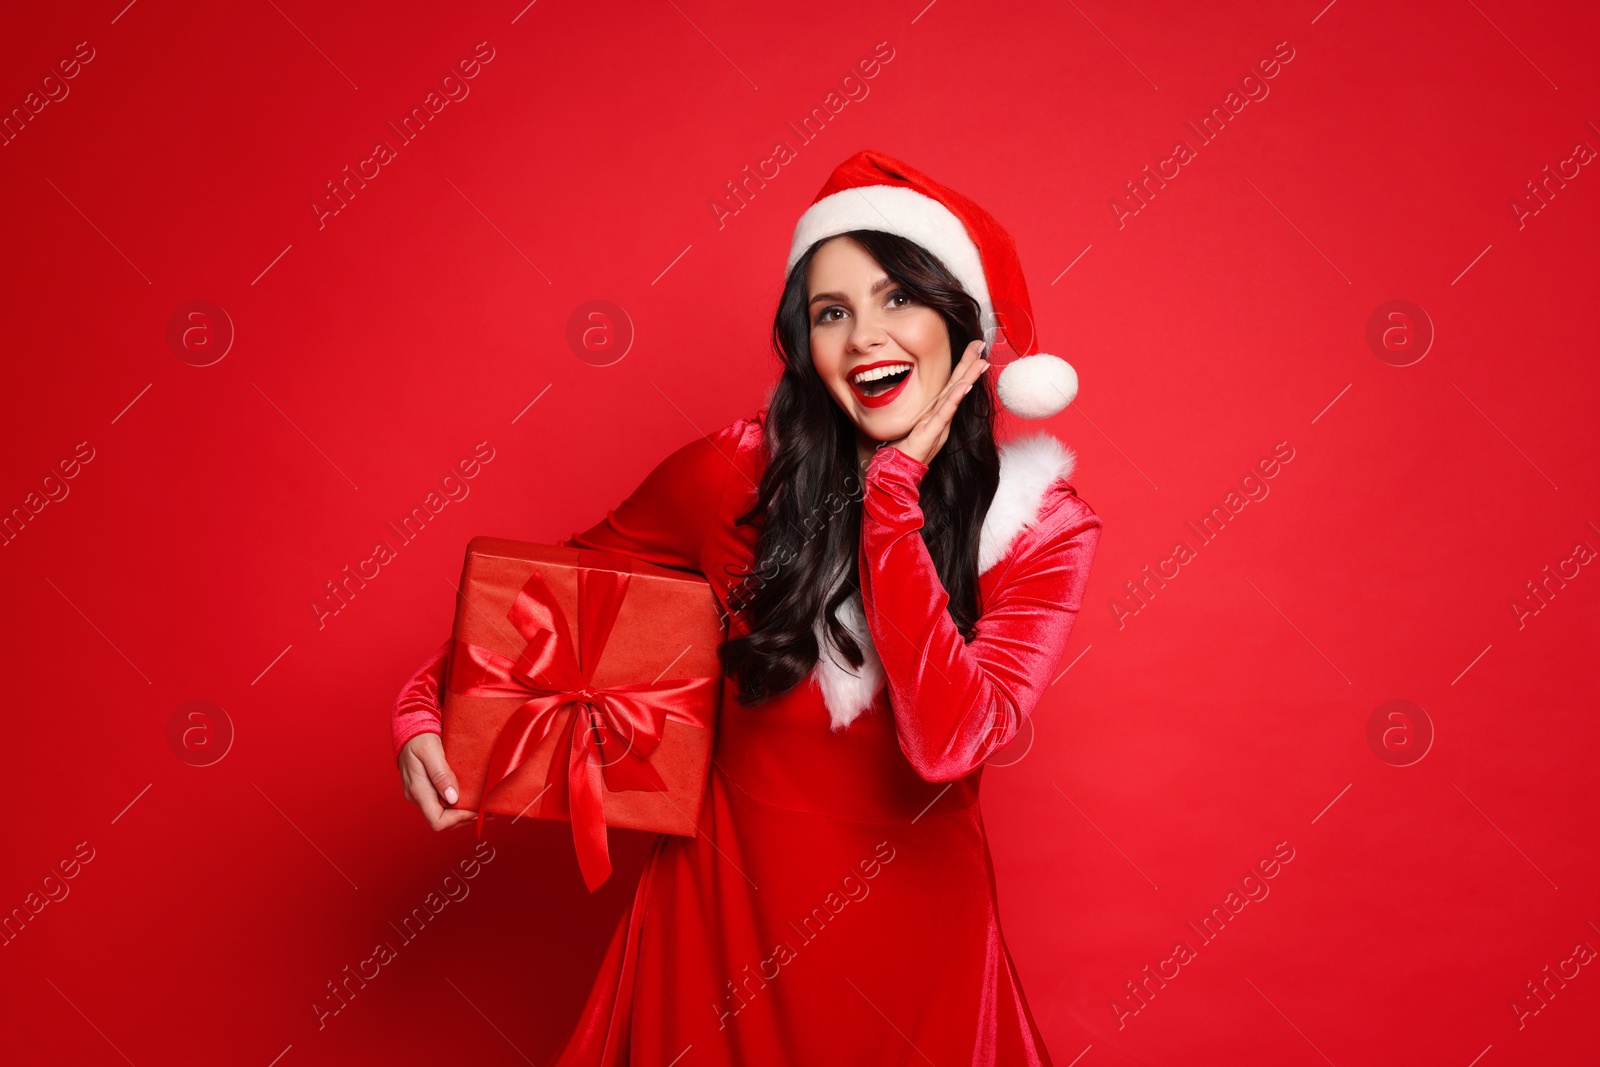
(584,687)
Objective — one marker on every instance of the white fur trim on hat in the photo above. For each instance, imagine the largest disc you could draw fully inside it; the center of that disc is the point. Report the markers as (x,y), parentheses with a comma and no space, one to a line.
(896,209)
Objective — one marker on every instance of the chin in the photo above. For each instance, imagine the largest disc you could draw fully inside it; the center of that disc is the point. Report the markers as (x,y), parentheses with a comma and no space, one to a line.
(884,427)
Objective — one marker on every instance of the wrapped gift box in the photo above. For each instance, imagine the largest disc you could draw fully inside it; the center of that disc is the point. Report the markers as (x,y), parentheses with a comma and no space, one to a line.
(583,686)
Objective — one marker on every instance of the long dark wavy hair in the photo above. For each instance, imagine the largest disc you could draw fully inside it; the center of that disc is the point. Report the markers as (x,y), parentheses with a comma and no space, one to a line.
(808,507)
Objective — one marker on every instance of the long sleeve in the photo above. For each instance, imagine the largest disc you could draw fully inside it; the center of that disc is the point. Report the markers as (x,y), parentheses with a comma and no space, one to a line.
(664,521)
(956,703)
(416,710)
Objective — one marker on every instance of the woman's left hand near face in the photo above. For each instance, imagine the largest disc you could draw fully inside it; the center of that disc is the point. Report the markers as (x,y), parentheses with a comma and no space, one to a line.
(932,427)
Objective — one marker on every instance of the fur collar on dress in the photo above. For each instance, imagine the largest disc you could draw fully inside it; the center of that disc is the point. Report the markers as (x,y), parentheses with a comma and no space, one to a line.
(1029,466)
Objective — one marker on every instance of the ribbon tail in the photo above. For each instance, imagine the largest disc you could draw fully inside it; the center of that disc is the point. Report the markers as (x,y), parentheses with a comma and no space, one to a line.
(633,771)
(528,726)
(583,801)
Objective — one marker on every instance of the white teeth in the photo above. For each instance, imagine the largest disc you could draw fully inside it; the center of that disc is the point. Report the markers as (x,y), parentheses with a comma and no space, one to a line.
(878,372)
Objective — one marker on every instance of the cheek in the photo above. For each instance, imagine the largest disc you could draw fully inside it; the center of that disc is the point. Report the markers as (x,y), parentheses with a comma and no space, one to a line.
(828,358)
(928,339)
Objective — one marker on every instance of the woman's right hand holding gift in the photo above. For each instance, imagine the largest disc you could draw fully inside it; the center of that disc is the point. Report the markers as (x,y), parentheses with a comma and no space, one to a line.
(425,776)
(429,783)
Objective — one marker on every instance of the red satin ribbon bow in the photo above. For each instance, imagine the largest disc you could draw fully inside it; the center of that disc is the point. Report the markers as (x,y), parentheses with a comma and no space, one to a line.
(611,732)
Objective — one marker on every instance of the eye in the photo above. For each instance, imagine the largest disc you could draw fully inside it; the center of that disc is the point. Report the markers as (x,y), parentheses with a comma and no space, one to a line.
(822,316)
(901,294)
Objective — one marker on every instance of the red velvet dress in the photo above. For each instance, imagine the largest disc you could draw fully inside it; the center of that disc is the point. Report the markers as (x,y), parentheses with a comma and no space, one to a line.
(838,905)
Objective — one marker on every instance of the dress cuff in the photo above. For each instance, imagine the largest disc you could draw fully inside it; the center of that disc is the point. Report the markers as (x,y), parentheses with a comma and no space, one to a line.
(892,467)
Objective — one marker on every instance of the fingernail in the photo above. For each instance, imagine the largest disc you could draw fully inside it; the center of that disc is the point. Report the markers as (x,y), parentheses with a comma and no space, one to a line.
(451,795)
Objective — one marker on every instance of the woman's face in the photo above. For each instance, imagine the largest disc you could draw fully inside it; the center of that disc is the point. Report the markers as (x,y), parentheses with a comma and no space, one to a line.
(860,318)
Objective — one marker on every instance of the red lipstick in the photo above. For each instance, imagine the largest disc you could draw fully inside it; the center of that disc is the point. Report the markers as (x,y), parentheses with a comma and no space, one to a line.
(883,398)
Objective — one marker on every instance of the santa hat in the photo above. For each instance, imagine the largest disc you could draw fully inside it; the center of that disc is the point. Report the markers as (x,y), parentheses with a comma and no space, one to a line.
(872,191)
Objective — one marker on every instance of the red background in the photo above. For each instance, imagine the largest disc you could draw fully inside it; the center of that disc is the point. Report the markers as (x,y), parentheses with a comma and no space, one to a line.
(1230,713)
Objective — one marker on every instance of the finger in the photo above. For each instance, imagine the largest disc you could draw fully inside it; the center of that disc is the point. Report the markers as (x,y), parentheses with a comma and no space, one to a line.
(980,361)
(947,411)
(971,357)
(934,419)
(425,798)
(439,773)
(972,366)
(414,779)
(956,380)
(454,817)
(936,423)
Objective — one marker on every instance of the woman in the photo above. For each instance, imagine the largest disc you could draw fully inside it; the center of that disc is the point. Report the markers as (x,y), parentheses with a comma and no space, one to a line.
(900,593)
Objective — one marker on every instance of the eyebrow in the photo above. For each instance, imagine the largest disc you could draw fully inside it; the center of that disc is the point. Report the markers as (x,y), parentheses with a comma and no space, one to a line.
(883,283)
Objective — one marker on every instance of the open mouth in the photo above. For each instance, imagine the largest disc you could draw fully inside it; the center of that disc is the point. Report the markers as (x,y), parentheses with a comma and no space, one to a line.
(879,383)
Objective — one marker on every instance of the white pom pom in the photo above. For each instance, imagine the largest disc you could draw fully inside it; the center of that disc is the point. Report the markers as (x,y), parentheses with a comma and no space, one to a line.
(1037,386)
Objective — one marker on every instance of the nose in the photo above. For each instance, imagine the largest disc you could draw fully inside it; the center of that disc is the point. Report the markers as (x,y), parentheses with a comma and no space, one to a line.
(867,332)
